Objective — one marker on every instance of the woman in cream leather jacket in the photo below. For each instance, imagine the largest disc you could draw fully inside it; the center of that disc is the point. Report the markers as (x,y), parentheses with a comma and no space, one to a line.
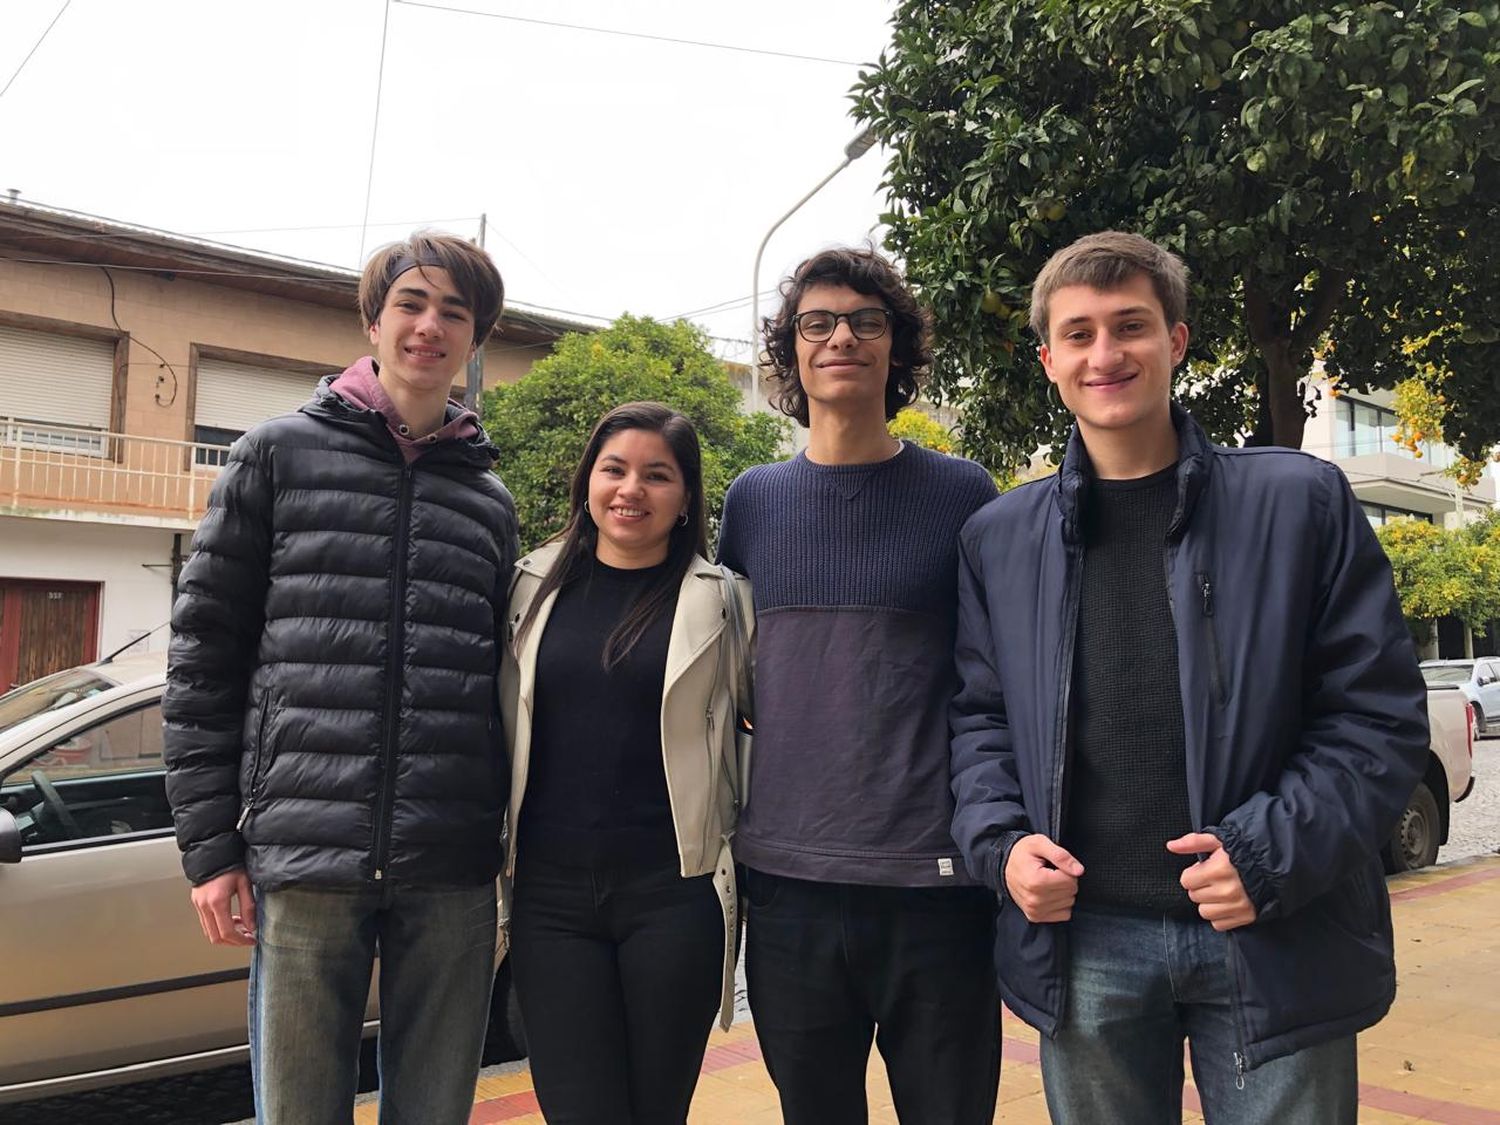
(620,705)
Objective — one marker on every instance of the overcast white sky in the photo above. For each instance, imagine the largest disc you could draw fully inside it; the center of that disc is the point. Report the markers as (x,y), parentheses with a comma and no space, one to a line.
(618,174)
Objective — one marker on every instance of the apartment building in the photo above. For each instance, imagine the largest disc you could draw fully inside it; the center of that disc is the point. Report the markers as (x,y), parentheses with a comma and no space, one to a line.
(1357,433)
(129,360)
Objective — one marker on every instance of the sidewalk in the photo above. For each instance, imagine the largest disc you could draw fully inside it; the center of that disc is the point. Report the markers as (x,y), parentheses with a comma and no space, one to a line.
(1435,1058)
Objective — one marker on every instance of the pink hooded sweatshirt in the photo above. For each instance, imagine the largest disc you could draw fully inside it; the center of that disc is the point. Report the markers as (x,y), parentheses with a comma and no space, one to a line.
(360,386)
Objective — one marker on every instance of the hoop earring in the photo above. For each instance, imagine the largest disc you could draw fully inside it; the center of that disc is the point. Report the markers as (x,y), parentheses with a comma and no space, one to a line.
(682,520)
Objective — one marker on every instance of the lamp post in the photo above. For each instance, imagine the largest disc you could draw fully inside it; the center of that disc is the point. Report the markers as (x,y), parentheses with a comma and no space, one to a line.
(856,148)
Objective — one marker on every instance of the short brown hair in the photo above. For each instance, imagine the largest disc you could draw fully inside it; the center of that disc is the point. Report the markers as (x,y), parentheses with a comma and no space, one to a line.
(472,270)
(865,272)
(1106,261)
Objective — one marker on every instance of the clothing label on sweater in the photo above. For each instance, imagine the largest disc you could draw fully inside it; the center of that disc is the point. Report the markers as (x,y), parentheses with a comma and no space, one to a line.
(945,866)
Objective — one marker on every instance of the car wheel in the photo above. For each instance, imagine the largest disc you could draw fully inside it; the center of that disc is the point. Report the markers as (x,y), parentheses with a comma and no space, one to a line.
(1414,843)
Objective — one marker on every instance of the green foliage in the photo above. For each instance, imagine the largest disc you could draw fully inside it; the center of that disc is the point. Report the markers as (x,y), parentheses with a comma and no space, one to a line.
(1330,170)
(922,429)
(542,422)
(1442,573)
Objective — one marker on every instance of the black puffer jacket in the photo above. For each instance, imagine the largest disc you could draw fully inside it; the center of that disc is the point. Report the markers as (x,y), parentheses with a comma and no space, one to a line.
(331,711)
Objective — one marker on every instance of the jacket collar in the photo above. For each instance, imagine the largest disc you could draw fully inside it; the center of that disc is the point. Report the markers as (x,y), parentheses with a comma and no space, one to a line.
(329,406)
(1193,466)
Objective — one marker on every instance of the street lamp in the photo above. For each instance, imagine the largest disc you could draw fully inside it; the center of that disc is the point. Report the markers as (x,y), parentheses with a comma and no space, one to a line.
(856,148)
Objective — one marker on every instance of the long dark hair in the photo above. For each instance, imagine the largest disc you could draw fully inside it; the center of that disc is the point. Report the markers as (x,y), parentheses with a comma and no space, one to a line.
(581,535)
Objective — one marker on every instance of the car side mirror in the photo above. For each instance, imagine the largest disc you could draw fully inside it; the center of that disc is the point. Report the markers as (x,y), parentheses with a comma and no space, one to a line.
(10,838)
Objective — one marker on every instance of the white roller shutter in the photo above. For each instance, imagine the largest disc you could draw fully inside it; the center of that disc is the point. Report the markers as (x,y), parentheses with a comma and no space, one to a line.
(49,377)
(236,396)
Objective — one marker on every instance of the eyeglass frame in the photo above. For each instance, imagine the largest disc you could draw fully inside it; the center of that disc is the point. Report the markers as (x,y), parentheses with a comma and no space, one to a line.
(887,317)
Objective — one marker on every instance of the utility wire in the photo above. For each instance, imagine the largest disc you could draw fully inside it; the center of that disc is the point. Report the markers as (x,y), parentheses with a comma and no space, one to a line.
(385,28)
(35,45)
(631,34)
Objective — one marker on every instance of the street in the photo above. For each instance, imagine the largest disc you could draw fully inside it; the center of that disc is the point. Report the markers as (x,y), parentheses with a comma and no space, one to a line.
(1475,825)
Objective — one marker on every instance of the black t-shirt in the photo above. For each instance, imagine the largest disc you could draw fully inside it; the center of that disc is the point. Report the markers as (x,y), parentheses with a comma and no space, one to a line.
(596,790)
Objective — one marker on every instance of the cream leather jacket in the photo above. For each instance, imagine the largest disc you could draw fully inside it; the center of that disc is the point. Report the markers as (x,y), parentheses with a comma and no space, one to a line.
(697,727)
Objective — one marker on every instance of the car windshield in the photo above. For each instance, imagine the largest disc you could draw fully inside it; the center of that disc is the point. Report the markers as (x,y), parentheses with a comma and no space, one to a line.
(1447,673)
(48,694)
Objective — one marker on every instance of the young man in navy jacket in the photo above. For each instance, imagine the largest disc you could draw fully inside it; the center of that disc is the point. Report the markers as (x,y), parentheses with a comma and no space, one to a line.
(1189,714)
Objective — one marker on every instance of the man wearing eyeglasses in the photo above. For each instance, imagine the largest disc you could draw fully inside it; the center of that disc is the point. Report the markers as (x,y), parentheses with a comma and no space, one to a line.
(862,921)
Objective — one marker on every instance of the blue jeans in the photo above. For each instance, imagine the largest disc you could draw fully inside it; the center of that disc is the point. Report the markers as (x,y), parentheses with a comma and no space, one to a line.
(309,979)
(1137,985)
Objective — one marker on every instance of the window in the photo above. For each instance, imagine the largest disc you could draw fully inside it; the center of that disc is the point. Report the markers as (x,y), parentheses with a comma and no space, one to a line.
(233,396)
(57,389)
(95,785)
(1379,514)
(1360,428)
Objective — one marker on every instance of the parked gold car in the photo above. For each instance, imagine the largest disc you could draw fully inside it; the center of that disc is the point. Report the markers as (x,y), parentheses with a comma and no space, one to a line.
(105,977)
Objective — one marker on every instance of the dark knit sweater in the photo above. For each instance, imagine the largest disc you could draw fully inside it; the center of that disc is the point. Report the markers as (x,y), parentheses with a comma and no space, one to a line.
(596,793)
(854,569)
(1127,783)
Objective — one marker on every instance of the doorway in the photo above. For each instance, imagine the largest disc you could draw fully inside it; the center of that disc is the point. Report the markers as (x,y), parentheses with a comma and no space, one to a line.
(45,627)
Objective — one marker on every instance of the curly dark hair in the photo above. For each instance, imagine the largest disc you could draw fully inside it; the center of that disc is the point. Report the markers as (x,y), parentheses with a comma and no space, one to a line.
(874,275)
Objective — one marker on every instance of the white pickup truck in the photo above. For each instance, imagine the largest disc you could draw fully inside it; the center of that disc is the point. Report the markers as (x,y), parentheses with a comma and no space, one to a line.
(1423,827)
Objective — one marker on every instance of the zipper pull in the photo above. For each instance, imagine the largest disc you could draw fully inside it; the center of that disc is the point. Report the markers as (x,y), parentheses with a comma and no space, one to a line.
(710,714)
(239,825)
(379,875)
(1208,595)
(1239,1071)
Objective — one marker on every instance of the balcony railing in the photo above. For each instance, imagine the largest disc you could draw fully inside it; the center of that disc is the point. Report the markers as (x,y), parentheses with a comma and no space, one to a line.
(51,467)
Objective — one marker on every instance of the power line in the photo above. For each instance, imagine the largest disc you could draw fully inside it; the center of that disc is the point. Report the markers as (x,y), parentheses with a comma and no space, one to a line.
(385,28)
(631,34)
(35,45)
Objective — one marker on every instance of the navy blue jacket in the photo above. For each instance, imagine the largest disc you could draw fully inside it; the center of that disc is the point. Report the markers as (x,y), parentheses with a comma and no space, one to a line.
(1304,713)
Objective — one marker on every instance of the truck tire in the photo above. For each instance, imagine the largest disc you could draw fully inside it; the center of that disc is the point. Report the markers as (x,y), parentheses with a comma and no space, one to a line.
(1414,841)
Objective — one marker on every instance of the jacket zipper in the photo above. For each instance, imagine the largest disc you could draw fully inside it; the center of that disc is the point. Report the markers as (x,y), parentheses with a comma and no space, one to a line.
(255,775)
(1065,657)
(1215,669)
(387,800)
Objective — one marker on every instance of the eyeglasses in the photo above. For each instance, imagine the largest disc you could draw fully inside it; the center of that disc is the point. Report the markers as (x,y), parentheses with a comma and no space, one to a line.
(817,325)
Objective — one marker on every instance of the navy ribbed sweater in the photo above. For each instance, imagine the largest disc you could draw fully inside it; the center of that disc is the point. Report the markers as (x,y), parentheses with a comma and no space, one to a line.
(854,569)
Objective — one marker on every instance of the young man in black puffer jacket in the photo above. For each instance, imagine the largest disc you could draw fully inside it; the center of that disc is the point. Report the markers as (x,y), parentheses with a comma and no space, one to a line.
(1190,714)
(334,753)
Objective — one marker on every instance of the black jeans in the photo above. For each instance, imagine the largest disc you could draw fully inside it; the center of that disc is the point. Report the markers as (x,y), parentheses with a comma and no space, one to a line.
(833,965)
(618,974)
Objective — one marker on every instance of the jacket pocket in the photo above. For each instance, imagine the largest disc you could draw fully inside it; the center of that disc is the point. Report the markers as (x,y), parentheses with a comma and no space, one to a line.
(260,765)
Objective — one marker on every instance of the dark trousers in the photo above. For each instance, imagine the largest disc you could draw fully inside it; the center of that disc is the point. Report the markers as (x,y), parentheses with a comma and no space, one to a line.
(618,974)
(832,966)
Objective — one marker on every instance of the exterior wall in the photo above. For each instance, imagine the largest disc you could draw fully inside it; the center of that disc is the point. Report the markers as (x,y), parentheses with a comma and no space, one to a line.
(1396,479)
(132,599)
(173,314)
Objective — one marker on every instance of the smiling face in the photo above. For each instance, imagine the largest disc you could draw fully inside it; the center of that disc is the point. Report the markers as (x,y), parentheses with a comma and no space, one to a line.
(425,333)
(636,497)
(843,373)
(1111,354)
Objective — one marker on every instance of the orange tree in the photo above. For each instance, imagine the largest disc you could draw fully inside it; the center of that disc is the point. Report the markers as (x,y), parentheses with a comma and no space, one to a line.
(1330,170)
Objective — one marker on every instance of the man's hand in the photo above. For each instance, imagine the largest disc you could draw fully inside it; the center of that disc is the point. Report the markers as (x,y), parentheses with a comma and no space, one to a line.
(1042,879)
(1213,883)
(211,900)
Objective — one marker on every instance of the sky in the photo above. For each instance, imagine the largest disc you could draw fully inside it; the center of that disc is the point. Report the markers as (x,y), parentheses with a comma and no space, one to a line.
(617,174)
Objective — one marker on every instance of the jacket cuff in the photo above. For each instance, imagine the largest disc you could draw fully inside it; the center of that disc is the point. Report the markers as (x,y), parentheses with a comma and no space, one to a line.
(994,874)
(1247,864)
(214,857)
